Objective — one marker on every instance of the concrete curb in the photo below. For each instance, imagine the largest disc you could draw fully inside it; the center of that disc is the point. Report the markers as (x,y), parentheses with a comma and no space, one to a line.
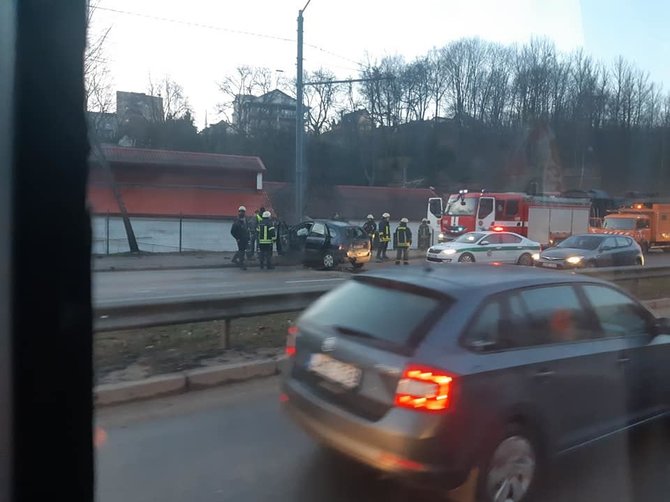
(177,383)
(171,383)
(149,268)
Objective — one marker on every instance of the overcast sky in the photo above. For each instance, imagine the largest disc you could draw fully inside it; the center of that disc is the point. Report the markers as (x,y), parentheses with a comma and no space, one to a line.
(208,41)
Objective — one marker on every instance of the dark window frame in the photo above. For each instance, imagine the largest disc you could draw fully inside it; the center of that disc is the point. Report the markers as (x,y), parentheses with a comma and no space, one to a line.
(598,333)
(648,316)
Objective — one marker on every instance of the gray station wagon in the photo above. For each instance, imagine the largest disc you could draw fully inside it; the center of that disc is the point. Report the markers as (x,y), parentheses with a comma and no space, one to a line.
(431,374)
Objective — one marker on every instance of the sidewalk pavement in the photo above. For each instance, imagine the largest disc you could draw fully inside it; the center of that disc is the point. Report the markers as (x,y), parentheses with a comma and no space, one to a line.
(203,259)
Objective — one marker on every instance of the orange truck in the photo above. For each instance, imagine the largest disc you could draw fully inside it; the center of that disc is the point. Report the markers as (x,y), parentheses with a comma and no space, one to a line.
(646,222)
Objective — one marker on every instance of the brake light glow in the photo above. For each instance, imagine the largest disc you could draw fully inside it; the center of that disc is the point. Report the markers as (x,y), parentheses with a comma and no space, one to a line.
(291,335)
(422,388)
(498,229)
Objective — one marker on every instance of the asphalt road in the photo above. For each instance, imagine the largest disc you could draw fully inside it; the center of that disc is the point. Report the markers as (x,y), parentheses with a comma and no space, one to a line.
(233,444)
(138,286)
(111,287)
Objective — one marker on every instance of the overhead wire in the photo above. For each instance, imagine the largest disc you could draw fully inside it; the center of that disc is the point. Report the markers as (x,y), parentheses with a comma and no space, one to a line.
(225,29)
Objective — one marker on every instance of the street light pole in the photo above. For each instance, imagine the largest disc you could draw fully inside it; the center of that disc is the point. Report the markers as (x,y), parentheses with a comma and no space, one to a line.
(299,127)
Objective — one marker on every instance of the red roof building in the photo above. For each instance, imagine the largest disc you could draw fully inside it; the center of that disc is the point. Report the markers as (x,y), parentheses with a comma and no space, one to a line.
(164,183)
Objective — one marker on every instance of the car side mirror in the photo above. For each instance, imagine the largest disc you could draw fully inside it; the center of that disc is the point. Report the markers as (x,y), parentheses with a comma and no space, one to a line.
(606,248)
(484,243)
(302,232)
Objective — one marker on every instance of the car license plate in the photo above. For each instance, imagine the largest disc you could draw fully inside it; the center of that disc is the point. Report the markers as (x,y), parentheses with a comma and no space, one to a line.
(550,265)
(336,371)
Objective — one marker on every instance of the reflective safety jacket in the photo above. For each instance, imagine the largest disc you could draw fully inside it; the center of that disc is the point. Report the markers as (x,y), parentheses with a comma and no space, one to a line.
(267,233)
(402,238)
(384,231)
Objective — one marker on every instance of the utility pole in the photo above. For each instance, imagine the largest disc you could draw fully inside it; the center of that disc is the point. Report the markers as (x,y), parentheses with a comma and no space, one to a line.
(300,120)
(299,127)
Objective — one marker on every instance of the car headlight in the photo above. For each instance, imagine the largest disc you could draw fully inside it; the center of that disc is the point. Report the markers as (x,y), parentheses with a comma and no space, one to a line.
(448,251)
(440,236)
(536,256)
(574,260)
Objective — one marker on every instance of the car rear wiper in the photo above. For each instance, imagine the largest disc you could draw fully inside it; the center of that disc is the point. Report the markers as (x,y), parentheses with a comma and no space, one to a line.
(352,332)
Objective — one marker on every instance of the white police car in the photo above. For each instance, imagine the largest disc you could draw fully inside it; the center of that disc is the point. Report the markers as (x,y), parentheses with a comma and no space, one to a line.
(485,247)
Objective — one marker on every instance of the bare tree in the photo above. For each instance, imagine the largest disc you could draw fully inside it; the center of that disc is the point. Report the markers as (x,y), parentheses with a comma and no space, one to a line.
(98,83)
(175,102)
(321,96)
(438,79)
(247,80)
(416,89)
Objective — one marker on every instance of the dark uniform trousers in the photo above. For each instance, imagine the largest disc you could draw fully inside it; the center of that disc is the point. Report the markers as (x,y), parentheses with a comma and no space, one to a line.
(266,238)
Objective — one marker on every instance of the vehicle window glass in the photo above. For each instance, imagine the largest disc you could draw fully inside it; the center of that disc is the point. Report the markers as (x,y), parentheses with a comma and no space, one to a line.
(617,314)
(555,315)
(469,238)
(512,208)
(356,233)
(510,239)
(436,207)
(461,207)
(383,312)
(491,239)
(500,210)
(485,207)
(501,324)
(622,242)
(318,229)
(483,333)
(589,242)
(642,224)
(609,243)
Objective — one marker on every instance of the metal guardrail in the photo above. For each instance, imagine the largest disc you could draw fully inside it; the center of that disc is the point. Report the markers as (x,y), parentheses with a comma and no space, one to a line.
(146,315)
(641,281)
(646,283)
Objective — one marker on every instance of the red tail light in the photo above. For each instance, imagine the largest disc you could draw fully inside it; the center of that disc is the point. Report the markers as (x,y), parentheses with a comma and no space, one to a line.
(291,336)
(422,388)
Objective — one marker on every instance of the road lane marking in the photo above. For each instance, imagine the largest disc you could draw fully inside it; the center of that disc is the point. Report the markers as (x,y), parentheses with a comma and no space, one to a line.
(315,280)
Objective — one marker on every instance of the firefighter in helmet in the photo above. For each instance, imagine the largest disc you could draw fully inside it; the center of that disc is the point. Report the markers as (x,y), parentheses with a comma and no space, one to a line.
(267,235)
(384,232)
(402,240)
(370,228)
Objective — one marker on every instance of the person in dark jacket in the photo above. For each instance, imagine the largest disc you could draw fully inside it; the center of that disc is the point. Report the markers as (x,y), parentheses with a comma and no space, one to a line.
(267,235)
(240,232)
(424,235)
(370,228)
(402,240)
(253,222)
(384,232)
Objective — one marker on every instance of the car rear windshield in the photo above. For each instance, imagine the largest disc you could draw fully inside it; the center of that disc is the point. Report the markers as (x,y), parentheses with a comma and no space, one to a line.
(389,312)
(351,233)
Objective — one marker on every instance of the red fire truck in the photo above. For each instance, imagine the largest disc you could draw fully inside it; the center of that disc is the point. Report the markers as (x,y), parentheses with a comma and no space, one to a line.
(546,219)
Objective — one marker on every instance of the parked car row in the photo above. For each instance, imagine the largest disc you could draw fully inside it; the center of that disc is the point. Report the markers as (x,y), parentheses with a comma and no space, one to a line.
(577,251)
(328,243)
